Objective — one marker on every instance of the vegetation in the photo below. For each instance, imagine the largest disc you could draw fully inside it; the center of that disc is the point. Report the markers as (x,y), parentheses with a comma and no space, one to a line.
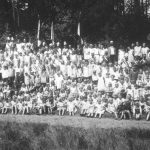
(72,133)
(120,20)
(27,136)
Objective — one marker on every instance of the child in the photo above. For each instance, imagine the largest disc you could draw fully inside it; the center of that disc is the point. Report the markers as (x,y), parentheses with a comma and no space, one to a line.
(147,109)
(48,106)
(40,105)
(99,109)
(71,107)
(137,109)
(84,106)
(14,105)
(94,78)
(25,106)
(61,107)
(6,107)
(111,108)
(90,110)
(19,106)
(124,109)
(101,83)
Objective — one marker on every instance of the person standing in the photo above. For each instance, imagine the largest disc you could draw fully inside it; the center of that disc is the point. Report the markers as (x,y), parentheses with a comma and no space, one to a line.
(112,52)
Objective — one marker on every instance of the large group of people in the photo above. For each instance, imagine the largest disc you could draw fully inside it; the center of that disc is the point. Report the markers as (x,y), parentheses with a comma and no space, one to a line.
(90,80)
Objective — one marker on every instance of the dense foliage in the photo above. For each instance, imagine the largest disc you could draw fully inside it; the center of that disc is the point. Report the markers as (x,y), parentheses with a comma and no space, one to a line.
(120,20)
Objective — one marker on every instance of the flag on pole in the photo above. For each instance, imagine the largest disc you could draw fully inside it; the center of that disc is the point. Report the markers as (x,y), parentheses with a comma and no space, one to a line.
(38,32)
(39,26)
(52,32)
(78,30)
(79,33)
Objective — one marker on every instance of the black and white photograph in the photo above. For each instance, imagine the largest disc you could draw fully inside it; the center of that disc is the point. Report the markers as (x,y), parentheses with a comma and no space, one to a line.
(74,74)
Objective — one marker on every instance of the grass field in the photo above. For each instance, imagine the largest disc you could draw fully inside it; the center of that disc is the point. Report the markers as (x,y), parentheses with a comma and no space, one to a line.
(76,121)
(72,133)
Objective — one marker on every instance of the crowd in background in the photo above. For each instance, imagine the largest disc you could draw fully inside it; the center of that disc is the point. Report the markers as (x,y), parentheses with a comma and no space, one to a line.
(90,80)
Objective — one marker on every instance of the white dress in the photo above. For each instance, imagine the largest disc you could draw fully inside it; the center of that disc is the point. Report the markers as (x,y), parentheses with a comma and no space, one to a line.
(70,106)
(91,108)
(101,84)
(100,109)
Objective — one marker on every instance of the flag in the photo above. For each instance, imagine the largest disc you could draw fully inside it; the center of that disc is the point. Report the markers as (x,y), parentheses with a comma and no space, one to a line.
(52,32)
(78,30)
(38,32)
(79,33)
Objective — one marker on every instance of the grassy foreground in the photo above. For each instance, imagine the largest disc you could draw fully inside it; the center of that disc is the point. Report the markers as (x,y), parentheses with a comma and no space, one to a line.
(72,133)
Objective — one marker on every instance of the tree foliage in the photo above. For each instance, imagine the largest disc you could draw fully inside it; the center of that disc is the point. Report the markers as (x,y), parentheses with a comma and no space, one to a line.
(100,19)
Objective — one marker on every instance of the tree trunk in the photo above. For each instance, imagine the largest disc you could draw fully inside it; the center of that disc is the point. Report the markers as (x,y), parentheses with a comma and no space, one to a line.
(18,18)
(13,13)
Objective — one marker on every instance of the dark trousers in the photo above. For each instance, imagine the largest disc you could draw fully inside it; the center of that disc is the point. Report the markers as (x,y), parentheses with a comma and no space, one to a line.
(112,58)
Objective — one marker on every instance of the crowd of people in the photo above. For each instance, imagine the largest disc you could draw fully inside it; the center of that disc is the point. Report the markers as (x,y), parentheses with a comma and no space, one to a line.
(90,80)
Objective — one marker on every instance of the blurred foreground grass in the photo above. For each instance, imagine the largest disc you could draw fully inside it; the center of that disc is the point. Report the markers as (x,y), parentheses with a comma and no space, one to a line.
(72,133)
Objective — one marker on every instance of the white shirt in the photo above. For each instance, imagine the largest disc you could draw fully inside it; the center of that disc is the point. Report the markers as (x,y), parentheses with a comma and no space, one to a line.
(5,73)
(137,50)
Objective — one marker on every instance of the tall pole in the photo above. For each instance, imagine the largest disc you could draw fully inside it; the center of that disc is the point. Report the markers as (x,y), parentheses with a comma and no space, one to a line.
(18,18)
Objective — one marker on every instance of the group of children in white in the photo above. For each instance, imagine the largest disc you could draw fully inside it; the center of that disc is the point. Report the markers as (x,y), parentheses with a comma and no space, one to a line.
(92,80)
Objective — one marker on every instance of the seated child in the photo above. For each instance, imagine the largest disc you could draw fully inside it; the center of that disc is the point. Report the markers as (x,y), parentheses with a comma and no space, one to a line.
(90,110)
(99,109)
(111,108)
(137,109)
(71,107)
(61,106)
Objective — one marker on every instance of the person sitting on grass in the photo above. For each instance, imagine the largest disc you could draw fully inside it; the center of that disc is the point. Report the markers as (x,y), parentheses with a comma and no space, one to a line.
(6,107)
(19,106)
(137,109)
(14,105)
(111,108)
(124,110)
(90,110)
(61,107)
(147,110)
(29,105)
(99,109)
(25,107)
(71,107)
(48,107)
(84,106)
(39,105)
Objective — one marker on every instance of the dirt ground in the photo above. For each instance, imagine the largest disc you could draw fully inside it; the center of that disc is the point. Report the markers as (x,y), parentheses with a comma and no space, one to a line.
(76,121)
